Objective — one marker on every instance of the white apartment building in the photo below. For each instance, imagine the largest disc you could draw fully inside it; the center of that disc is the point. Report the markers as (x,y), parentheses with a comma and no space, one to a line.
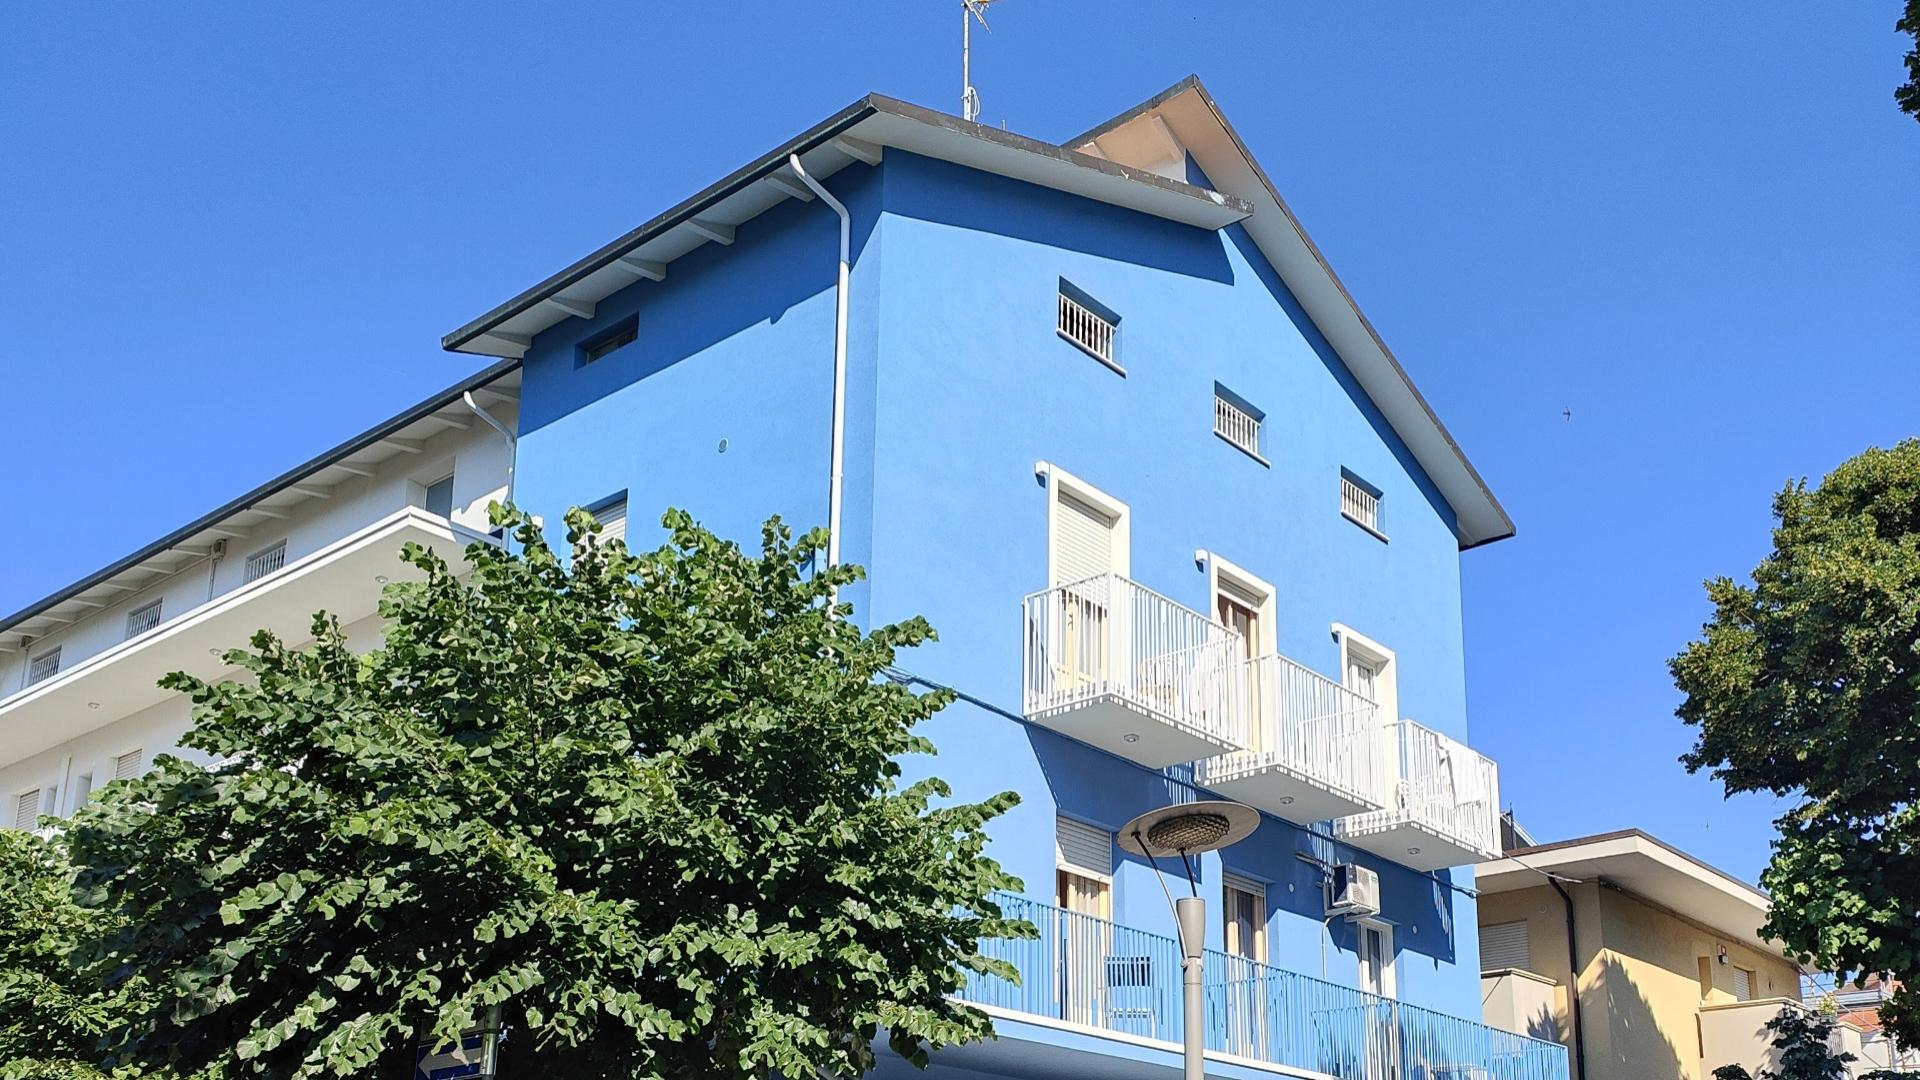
(78,702)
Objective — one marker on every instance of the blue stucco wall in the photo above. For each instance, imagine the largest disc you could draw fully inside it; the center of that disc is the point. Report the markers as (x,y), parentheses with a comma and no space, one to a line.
(957,385)
(975,388)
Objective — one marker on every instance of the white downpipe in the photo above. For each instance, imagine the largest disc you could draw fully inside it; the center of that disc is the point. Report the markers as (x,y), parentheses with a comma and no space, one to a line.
(513,443)
(839,357)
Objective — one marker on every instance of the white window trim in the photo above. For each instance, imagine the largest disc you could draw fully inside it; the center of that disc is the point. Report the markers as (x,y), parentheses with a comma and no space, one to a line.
(1389,977)
(1060,480)
(1355,643)
(1235,577)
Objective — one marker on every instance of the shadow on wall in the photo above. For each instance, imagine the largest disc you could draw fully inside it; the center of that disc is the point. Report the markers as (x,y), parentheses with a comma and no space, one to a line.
(947,194)
(1093,786)
(1635,1045)
(783,258)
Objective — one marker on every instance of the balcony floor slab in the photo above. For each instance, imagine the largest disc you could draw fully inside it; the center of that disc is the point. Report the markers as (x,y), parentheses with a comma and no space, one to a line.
(1280,789)
(1413,844)
(1129,728)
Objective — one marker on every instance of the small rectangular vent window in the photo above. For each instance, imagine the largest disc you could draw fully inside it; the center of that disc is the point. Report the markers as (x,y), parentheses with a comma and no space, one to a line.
(262,563)
(1088,325)
(43,667)
(615,337)
(612,516)
(127,766)
(1237,422)
(26,809)
(1504,947)
(1360,503)
(143,618)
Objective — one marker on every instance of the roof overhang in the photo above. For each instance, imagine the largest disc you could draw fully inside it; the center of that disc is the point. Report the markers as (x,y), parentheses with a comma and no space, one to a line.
(858,134)
(403,434)
(1645,867)
(1186,117)
(342,578)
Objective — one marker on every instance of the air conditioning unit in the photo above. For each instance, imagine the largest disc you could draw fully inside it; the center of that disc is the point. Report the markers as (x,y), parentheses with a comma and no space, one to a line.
(1354,891)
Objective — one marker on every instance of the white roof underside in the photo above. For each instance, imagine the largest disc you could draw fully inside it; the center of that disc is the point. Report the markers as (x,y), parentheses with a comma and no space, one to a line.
(1645,867)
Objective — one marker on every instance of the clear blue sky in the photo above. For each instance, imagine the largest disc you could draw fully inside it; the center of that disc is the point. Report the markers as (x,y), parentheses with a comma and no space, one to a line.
(228,242)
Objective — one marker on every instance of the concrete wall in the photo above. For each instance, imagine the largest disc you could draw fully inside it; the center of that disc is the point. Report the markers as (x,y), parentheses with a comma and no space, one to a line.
(1639,976)
(957,385)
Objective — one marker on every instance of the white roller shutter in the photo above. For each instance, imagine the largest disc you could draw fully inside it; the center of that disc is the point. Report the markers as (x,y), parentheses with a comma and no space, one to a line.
(1082,540)
(613,521)
(1504,946)
(1742,984)
(1084,849)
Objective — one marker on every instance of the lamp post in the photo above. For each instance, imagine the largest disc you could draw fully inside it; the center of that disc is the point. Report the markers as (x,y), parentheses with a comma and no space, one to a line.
(1186,830)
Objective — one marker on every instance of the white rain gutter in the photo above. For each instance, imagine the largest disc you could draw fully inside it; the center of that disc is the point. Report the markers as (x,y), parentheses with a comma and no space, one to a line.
(839,357)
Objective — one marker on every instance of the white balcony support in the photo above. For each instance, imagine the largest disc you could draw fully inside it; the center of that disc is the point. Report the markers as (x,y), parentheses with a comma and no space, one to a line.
(1444,810)
(1314,747)
(1115,664)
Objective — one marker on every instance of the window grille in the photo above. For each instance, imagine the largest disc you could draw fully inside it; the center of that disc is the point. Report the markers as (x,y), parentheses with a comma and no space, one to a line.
(262,563)
(1086,328)
(1359,504)
(1235,424)
(44,666)
(143,618)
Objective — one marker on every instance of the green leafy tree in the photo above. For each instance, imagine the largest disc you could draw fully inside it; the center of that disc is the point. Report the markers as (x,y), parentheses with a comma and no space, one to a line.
(1806,684)
(647,806)
(53,1014)
(1909,95)
(1802,1039)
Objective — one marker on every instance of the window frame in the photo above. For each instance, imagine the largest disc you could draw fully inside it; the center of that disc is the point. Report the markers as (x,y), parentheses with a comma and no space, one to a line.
(157,606)
(1079,297)
(1059,480)
(1389,978)
(1231,883)
(1377,528)
(606,341)
(1224,396)
(52,654)
(426,494)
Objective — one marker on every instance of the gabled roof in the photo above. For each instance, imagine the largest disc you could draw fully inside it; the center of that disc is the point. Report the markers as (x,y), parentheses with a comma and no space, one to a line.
(1645,866)
(859,133)
(1096,165)
(1185,118)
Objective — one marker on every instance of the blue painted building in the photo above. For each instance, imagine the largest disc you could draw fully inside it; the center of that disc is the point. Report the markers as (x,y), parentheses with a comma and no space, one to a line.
(1104,415)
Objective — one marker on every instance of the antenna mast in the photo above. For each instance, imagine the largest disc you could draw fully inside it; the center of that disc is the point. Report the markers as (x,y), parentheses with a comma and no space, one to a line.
(969,97)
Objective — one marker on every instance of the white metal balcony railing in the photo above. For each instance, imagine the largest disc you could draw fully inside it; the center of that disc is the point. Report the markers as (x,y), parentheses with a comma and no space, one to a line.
(1113,663)
(1445,806)
(1236,425)
(1314,747)
(1086,328)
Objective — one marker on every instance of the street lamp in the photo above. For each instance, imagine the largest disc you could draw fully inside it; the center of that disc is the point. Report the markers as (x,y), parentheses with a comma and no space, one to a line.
(1187,830)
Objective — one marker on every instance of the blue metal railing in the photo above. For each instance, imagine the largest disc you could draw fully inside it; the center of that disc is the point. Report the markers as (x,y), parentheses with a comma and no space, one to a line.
(1090,971)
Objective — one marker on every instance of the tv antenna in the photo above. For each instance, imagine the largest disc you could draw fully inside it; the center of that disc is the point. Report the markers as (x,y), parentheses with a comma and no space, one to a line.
(969,97)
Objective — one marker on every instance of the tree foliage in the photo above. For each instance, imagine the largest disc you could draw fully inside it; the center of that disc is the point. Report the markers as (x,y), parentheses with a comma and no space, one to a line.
(1805,1053)
(1909,95)
(53,1013)
(646,805)
(1806,683)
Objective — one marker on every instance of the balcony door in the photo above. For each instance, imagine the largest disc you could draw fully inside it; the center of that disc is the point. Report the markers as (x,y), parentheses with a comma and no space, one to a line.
(1244,604)
(1083,890)
(1375,947)
(1245,983)
(1087,541)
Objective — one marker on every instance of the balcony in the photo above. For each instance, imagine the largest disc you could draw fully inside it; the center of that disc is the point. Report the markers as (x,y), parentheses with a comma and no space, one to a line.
(343,578)
(1315,749)
(1444,809)
(1114,664)
(1091,973)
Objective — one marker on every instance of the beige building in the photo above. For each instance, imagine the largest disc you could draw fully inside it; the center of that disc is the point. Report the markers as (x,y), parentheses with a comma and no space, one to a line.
(1674,977)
